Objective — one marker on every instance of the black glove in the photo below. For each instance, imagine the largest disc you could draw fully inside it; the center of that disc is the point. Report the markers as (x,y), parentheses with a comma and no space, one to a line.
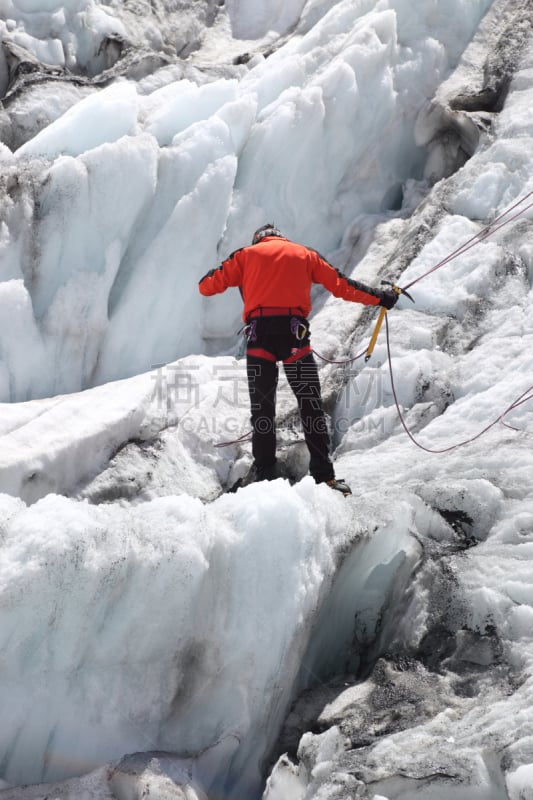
(389,298)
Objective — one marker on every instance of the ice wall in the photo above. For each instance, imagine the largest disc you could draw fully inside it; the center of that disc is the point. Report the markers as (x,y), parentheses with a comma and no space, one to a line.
(116,207)
(128,634)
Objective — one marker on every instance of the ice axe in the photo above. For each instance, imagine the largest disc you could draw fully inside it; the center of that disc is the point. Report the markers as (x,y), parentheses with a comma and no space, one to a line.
(381,317)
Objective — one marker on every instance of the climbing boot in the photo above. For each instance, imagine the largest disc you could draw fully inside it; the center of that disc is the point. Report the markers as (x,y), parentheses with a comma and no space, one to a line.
(340,485)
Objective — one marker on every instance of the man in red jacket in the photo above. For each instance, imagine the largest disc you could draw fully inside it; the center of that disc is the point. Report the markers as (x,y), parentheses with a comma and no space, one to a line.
(275,277)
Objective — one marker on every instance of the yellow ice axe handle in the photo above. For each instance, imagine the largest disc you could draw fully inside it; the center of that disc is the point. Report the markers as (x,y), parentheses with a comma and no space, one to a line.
(379,323)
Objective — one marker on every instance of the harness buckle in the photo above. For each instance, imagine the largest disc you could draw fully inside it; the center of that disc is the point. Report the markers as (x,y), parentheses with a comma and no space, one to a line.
(298,328)
(250,331)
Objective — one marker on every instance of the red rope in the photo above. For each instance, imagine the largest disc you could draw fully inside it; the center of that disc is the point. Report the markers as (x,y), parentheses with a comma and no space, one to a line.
(244,438)
(519,400)
(346,361)
(485,232)
(488,230)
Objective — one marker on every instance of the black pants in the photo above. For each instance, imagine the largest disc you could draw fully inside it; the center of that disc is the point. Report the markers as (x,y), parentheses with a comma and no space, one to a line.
(285,339)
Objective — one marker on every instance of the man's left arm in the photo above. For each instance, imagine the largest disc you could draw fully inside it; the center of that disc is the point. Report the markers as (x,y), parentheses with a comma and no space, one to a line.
(354,291)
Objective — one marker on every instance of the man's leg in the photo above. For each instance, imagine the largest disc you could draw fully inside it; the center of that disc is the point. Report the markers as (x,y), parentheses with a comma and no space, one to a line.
(303,379)
(262,384)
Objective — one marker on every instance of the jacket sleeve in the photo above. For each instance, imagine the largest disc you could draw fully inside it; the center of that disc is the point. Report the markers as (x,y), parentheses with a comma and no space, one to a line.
(340,286)
(218,280)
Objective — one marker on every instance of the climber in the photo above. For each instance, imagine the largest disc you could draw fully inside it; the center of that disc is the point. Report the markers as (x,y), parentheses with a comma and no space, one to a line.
(275,276)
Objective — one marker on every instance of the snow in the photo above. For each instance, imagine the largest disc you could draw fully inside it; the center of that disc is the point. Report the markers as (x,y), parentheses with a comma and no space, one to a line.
(98,119)
(124,565)
(148,621)
(255,20)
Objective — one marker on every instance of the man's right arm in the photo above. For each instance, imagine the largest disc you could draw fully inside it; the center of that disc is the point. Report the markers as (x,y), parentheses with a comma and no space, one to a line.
(218,280)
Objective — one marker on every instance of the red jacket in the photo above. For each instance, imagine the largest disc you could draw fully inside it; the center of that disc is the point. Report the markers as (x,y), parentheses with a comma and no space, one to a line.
(279,273)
